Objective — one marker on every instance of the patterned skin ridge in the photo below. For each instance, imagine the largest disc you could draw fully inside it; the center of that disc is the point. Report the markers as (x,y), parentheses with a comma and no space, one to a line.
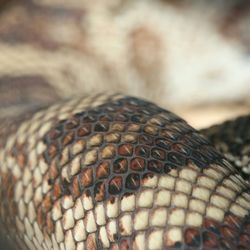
(232,138)
(117,172)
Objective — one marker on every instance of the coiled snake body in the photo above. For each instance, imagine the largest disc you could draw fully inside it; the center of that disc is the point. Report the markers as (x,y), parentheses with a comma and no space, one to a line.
(116,172)
(232,138)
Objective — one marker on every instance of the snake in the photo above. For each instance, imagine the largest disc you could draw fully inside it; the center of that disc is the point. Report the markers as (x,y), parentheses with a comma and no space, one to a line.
(117,172)
(232,138)
(107,171)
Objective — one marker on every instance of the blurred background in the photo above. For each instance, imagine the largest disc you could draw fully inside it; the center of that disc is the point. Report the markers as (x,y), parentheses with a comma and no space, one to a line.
(191,57)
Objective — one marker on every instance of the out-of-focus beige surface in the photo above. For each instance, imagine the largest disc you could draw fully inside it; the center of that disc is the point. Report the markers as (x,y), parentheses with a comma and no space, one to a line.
(202,117)
(191,57)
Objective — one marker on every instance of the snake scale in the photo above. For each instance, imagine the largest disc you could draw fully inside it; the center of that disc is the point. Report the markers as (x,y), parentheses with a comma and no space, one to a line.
(232,138)
(107,171)
(117,172)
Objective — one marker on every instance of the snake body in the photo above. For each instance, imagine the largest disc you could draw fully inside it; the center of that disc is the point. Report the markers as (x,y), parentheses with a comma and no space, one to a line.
(117,172)
(232,138)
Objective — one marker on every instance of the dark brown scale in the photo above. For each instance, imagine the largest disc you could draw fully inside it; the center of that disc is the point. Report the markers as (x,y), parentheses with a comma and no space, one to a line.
(68,138)
(125,150)
(163,143)
(133,181)
(228,232)
(21,159)
(47,203)
(170,135)
(137,164)
(199,159)
(232,221)
(210,240)
(73,123)
(99,191)
(87,117)
(84,130)
(101,127)
(176,159)
(244,240)
(121,118)
(120,166)
(86,177)
(146,139)
(192,237)
(211,225)
(57,191)
(65,187)
(142,151)
(52,151)
(41,218)
(155,166)
(54,134)
(53,171)
(106,118)
(50,224)
(115,185)
(158,154)
(125,245)
(75,190)
(103,170)
(138,119)
(180,149)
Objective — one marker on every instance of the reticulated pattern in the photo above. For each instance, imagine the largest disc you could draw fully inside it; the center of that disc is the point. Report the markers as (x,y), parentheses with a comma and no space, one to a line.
(112,172)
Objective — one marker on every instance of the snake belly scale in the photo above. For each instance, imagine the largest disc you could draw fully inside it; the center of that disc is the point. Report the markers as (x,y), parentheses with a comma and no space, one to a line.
(117,172)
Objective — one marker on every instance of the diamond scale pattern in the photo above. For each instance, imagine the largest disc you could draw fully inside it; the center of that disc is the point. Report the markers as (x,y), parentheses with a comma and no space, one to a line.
(118,173)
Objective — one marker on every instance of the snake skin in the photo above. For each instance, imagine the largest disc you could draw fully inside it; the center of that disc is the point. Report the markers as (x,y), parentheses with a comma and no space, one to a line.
(117,172)
(232,138)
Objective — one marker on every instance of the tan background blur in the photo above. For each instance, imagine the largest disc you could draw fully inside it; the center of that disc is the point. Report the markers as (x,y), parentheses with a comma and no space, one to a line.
(191,57)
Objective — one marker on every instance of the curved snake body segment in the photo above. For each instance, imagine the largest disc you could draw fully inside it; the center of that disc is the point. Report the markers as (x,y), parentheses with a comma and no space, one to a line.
(116,172)
(232,138)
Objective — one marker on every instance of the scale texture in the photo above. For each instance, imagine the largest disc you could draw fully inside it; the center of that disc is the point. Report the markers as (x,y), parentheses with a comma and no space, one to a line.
(117,172)
(232,138)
